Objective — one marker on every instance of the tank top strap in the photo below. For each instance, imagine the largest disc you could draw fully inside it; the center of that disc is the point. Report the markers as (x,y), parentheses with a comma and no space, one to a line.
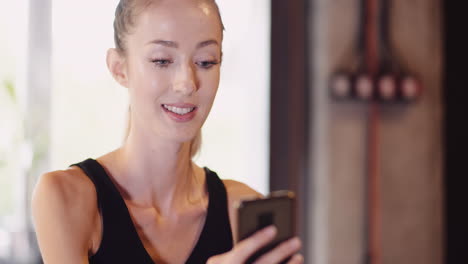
(120,241)
(216,236)
(118,229)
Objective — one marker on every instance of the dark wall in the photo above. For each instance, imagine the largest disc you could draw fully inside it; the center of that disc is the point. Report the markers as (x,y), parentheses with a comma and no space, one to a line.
(288,103)
(456,133)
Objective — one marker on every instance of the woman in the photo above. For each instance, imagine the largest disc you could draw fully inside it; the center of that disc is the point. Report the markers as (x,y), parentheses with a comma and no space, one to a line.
(147,202)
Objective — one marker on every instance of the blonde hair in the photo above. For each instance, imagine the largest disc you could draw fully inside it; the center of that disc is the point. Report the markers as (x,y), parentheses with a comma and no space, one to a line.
(124,20)
(126,12)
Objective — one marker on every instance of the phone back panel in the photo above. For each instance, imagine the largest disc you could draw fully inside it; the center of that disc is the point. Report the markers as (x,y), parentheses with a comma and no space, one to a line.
(257,214)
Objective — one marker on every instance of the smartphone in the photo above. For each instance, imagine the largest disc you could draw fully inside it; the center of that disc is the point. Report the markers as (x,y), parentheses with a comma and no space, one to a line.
(276,209)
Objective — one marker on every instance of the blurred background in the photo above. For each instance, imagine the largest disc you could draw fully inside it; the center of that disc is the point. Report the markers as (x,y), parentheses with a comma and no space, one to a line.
(373,166)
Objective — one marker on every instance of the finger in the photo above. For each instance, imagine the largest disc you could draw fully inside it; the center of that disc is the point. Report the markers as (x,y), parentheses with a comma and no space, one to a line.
(250,245)
(215,259)
(296,259)
(281,252)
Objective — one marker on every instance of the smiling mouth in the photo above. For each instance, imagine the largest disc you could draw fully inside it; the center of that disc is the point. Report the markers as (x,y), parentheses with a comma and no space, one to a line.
(179,110)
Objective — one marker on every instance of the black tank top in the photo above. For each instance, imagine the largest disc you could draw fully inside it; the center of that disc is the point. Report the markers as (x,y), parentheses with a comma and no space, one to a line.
(120,241)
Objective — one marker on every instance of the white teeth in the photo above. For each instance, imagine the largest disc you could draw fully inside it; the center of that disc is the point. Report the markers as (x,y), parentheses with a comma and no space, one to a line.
(178,110)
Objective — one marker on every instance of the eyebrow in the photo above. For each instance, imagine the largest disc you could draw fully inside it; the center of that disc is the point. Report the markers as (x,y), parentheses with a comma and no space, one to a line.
(207,43)
(167,43)
(172,44)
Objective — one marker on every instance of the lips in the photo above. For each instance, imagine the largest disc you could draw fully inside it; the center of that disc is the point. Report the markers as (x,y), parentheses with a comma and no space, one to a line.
(180,112)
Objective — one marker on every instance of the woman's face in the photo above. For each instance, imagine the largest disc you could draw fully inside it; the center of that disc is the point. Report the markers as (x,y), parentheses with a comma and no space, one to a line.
(173,57)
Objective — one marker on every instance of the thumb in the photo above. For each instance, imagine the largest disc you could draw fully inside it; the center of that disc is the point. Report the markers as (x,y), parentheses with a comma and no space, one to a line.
(216,259)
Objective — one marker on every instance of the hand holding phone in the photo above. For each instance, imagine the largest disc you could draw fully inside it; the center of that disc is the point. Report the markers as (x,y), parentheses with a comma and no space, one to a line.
(243,250)
(278,209)
(266,230)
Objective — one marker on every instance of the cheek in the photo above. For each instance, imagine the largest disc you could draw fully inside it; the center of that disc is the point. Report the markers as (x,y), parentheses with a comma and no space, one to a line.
(147,82)
(209,84)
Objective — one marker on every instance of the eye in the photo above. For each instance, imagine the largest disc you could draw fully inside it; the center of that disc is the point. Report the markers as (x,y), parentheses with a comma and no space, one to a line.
(207,64)
(162,62)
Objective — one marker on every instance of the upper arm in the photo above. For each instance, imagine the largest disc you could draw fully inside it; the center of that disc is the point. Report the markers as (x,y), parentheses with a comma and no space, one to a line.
(64,208)
(236,192)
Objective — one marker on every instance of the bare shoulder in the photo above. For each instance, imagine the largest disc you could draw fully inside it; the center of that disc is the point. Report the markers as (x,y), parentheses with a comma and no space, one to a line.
(237,190)
(68,187)
(64,208)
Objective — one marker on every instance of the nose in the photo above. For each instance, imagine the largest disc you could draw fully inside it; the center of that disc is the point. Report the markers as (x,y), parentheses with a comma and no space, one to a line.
(185,81)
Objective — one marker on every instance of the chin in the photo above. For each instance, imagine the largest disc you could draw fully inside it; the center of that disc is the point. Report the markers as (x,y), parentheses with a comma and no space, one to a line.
(186,137)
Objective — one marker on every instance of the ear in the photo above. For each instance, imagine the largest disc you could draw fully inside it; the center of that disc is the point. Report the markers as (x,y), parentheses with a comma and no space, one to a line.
(116,64)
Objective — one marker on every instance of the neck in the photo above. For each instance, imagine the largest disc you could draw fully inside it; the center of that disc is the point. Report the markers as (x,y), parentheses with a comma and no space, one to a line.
(156,173)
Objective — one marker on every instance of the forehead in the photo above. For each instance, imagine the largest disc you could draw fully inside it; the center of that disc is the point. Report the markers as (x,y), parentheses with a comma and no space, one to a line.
(173,19)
